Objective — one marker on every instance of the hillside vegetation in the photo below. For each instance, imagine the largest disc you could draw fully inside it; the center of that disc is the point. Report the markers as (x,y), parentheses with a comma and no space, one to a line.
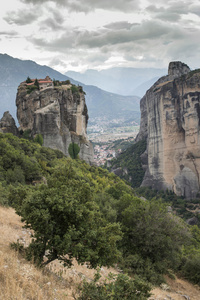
(129,164)
(74,210)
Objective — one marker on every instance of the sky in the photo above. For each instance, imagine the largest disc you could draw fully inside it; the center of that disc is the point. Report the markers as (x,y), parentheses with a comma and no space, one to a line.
(99,34)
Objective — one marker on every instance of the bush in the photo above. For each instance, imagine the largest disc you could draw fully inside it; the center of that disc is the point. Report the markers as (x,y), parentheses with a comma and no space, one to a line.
(152,238)
(74,89)
(31,88)
(15,176)
(3,196)
(115,287)
(27,134)
(38,139)
(191,268)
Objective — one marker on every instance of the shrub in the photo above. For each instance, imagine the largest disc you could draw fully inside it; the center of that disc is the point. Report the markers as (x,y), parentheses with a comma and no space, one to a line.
(74,89)
(31,88)
(38,139)
(191,268)
(115,287)
(27,134)
(3,196)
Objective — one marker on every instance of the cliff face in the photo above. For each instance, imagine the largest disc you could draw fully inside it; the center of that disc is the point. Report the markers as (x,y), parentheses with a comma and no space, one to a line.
(59,114)
(170,121)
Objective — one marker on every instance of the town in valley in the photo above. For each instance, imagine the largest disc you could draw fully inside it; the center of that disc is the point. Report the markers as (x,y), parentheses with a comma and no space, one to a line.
(110,137)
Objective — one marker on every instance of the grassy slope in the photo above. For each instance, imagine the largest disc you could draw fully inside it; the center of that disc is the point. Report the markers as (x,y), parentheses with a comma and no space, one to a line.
(22,280)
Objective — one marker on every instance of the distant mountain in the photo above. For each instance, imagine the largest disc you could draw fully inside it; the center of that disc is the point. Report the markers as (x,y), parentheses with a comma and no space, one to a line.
(100,103)
(110,105)
(123,81)
(139,91)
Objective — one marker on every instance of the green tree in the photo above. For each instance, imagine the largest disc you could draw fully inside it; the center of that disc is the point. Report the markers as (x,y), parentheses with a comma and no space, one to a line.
(36,83)
(67,222)
(73,150)
(28,80)
(152,239)
(38,139)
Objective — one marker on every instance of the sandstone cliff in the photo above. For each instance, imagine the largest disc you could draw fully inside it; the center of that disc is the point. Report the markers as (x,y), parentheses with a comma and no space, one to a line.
(7,124)
(170,121)
(59,114)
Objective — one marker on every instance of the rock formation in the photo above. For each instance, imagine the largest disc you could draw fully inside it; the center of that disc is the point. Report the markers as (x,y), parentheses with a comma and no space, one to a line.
(170,121)
(7,124)
(59,114)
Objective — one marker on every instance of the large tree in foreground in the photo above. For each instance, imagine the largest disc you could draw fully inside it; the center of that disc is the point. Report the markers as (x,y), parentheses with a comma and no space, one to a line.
(67,222)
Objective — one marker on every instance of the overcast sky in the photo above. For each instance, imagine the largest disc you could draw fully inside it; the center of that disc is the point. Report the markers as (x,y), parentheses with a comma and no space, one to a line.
(98,34)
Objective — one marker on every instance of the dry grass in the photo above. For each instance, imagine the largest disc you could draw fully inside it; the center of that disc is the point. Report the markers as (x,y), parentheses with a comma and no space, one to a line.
(178,289)
(18,278)
(21,280)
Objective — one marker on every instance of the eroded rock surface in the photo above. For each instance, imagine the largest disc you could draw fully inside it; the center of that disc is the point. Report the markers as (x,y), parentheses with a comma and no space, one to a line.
(7,124)
(170,121)
(59,114)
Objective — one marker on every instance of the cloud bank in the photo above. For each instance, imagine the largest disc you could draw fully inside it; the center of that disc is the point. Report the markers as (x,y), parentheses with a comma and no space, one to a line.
(95,33)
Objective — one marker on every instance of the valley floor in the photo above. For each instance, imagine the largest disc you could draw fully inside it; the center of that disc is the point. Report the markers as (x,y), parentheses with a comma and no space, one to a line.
(21,280)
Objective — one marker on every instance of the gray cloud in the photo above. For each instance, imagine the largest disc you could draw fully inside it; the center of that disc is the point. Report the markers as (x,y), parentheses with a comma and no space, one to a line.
(56,61)
(147,31)
(21,17)
(54,21)
(120,25)
(195,9)
(91,5)
(28,16)
(50,24)
(9,33)
(165,33)
(149,42)
(172,11)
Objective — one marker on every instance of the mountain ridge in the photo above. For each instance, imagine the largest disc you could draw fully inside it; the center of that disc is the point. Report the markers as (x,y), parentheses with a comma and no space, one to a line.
(121,80)
(13,71)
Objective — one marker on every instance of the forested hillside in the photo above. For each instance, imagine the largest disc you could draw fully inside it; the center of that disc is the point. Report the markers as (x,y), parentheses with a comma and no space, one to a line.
(81,211)
(128,164)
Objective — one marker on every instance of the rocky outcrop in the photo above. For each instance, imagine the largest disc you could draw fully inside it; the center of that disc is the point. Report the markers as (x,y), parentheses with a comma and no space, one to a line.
(7,124)
(170,121)
(59,114)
